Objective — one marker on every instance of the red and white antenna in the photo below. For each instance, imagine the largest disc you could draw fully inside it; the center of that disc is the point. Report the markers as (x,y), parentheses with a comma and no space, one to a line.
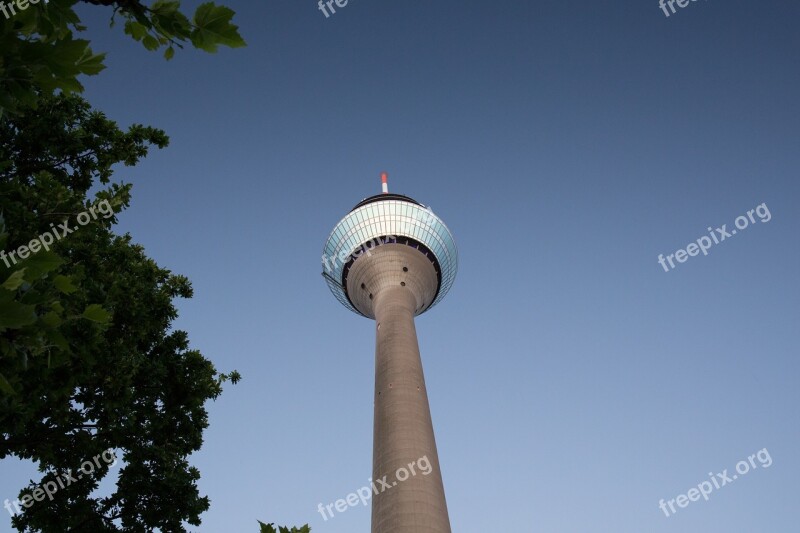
(385,182)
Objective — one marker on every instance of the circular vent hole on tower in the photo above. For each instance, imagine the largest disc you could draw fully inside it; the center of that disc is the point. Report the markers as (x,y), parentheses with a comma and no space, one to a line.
(405,269)
(403,283)
(363,286)
(370,296)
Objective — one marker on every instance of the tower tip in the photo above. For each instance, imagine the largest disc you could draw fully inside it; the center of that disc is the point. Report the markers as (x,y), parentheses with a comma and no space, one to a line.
(385,182)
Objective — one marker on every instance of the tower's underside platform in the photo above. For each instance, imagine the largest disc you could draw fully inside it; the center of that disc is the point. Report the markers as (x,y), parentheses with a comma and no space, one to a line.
(391,265)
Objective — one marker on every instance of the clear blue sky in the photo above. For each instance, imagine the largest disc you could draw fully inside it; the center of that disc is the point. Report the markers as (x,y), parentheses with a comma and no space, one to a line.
(573,382)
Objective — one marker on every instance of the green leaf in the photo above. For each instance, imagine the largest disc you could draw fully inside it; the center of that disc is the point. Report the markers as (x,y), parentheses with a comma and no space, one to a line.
(52,319)
(15,280)
(64,284)
(96,313)
(270,528)
(5,386)
(40,263)
(91,64)
(135,29)
(57,339)
(213,27)
(16,315)
(169,53)
(150,42)
(164,7)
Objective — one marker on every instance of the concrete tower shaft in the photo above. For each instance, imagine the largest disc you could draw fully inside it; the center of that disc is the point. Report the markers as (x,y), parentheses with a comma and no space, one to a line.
(392,284)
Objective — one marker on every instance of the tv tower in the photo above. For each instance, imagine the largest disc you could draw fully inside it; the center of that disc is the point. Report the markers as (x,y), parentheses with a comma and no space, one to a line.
(391,259)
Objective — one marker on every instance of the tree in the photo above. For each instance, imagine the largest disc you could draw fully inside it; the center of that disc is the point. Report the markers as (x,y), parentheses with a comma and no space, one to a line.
(270,528)
(88,359)
(40,54)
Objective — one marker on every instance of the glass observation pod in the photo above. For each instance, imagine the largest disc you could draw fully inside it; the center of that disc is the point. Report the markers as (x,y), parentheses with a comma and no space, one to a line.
(388,219)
